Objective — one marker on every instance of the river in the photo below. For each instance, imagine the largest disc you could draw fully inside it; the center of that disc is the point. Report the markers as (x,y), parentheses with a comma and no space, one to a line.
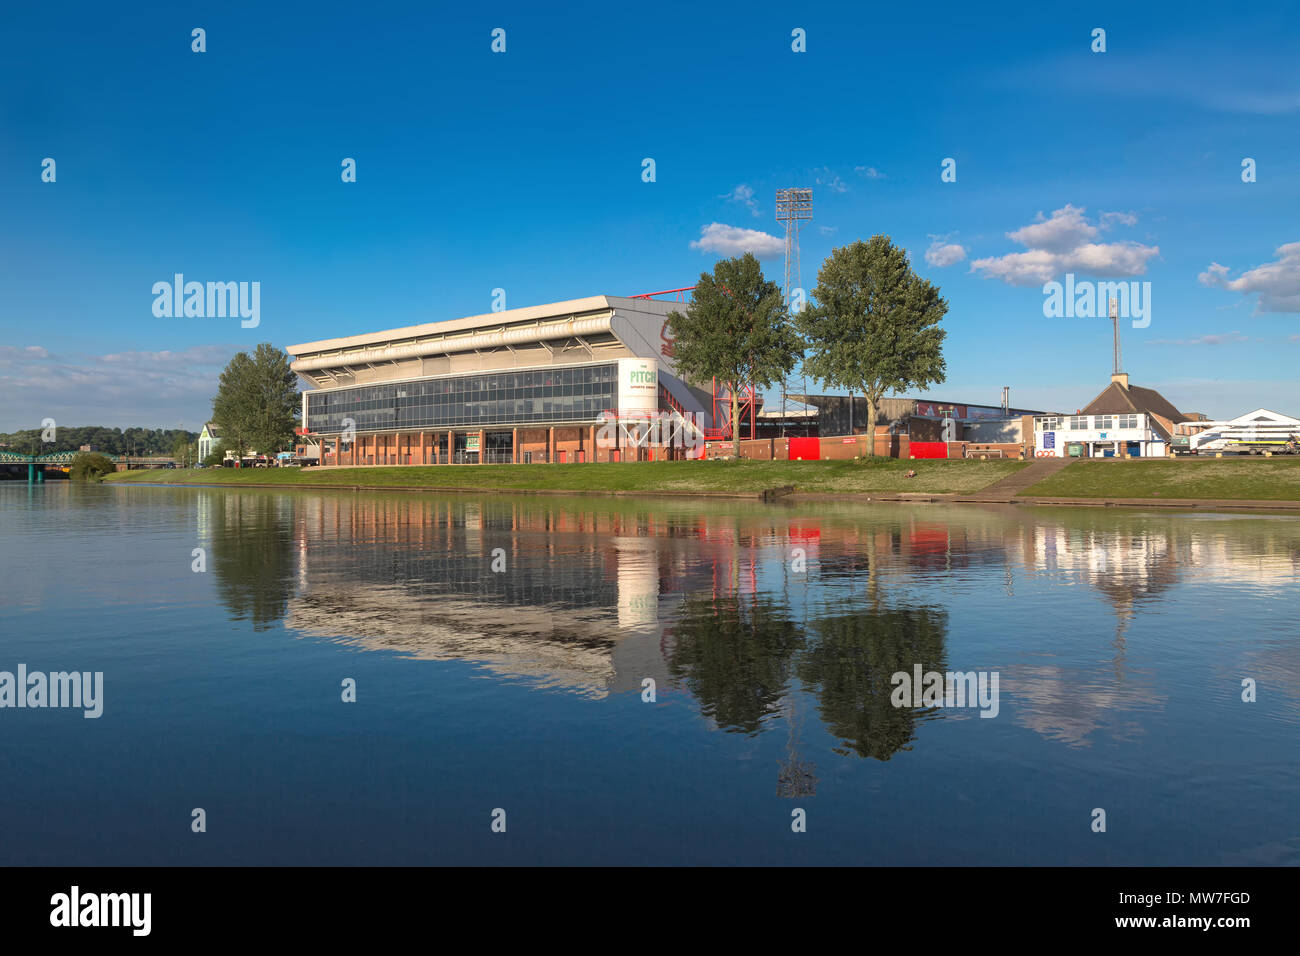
(644,681)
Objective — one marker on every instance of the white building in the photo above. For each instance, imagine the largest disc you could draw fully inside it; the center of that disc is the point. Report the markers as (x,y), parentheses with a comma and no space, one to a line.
(1261,429)
(207,440)
(1124,421)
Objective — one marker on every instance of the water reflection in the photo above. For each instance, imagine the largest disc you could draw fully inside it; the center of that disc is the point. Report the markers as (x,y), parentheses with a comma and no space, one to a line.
(735,653)
(251,547)
(759,614)
(848,665)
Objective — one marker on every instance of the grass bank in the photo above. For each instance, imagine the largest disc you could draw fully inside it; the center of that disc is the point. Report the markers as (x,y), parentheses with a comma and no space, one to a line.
(1259,479)
(660,477)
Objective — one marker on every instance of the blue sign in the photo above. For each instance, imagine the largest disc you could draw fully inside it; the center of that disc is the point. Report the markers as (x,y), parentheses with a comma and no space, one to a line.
(1049,439)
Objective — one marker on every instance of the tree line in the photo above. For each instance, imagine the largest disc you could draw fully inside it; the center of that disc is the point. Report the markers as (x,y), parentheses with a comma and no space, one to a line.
(142,442)
(871,327)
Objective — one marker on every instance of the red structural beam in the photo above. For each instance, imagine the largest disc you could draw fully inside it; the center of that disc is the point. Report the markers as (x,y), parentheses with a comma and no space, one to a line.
(651,295)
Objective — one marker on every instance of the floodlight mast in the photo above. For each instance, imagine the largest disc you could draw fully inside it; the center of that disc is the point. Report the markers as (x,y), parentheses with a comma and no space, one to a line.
(1114,321)
(794,207)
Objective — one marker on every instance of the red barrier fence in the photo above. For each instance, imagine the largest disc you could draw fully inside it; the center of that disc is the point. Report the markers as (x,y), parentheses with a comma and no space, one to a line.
(929,449)
(805,449)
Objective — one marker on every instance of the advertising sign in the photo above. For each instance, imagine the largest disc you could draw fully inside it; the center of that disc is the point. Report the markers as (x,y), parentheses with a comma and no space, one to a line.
(638,386)
(471,443)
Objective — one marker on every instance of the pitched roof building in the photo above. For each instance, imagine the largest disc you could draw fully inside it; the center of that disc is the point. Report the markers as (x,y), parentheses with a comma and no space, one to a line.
(1121,398)
(1123,421)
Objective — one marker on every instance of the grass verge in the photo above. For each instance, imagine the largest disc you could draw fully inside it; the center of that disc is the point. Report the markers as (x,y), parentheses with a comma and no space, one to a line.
(674,477)
(1262,479)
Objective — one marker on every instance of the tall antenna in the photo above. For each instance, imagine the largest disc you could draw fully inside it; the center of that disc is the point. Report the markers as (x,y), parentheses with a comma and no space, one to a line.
(1114,321)
(793,208)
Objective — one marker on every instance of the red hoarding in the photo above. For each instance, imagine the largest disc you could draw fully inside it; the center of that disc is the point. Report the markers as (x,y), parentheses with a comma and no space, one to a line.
(805,449)
(929,449)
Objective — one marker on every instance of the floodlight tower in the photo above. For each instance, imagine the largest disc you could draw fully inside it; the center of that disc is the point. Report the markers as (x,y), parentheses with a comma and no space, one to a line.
(793,208)
(1114,321)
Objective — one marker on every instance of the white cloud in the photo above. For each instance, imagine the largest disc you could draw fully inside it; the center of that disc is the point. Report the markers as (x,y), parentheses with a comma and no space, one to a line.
(943,254)
(10,354)
(1109,219)
(828,230)
(1278,283)
(743,194)
(1271,103)
(1066,230)
(1224,339)
(868,172)
(1062,243)
(831,180)
(733,240)
(155,389)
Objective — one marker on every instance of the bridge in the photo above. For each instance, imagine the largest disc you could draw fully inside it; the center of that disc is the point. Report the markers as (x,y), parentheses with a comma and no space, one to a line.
(63,460)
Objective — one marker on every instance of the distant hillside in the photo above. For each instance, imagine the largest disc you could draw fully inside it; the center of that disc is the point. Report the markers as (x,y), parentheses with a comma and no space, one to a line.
(108,441)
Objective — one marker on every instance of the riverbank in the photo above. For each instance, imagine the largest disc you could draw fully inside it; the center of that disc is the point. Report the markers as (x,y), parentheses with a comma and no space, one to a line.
(1195,484)
(1182,479)
(750,479)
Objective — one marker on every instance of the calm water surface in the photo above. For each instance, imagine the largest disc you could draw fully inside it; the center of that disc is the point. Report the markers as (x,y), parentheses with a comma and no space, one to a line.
(1121,640)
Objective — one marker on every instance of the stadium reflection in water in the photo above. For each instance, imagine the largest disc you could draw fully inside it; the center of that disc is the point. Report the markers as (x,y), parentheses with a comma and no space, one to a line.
(737,605)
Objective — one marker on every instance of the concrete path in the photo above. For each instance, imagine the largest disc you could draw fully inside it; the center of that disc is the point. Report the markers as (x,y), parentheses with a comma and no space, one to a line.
(1009,486)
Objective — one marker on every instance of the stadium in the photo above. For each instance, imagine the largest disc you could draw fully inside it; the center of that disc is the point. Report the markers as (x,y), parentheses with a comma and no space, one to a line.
(588,379)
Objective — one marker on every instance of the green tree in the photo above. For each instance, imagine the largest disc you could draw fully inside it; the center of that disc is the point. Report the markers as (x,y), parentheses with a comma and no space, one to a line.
(216,455)
(874,325)
(736,330)
(89,466)
(183,450)
(257,402)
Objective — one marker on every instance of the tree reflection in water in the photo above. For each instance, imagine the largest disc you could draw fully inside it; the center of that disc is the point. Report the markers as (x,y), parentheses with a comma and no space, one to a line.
(739,655)
(252,556)
(735,656)
(848,665)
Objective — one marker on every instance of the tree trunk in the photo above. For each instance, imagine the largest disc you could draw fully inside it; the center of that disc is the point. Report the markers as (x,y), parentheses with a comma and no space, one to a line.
(735,418)
(871,424)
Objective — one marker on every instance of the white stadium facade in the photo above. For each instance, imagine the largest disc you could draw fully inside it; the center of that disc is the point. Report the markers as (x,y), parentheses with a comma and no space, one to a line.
(584,380)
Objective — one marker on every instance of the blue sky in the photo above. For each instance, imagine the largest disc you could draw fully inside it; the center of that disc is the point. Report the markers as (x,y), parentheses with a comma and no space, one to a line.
(522,171)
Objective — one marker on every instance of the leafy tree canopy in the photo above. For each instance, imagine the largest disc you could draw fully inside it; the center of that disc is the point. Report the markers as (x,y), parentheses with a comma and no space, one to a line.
(89,466)
(257,403)
(736,329)
(874,325)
